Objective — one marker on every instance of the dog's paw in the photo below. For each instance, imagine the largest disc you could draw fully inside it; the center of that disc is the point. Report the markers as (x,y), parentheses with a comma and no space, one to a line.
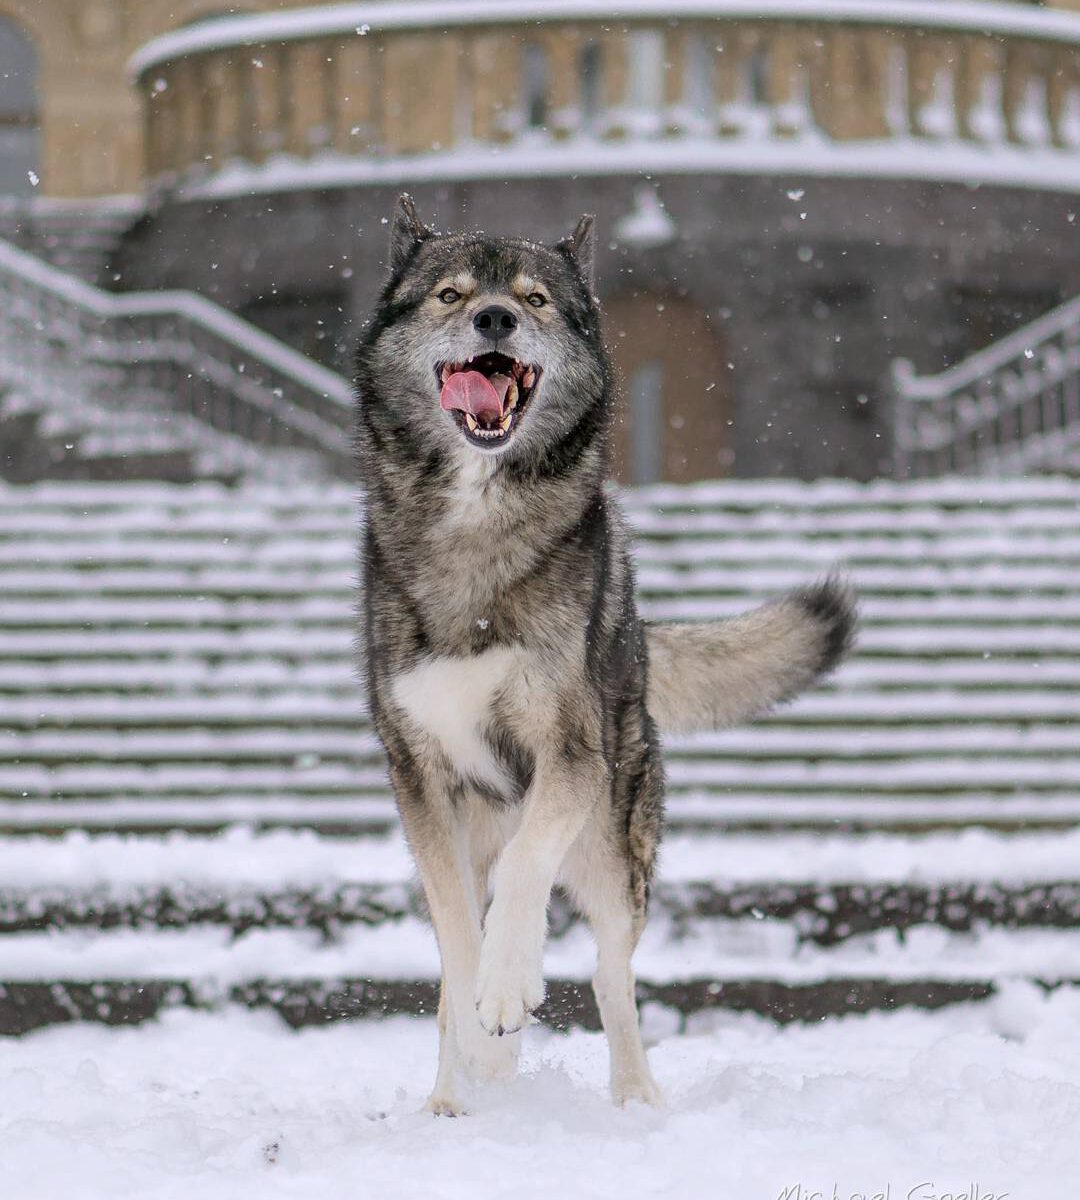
(640,1091)
(440,1105)
(508,987)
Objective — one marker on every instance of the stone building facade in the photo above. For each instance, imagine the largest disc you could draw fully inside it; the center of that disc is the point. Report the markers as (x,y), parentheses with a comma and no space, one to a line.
(793,195)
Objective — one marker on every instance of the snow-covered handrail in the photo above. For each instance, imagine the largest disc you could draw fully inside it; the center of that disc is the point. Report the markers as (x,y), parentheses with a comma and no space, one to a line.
(990,17)
(59,332)
(1002,407)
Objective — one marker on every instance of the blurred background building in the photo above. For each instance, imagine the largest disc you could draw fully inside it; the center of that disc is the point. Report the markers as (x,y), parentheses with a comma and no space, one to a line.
(792,195)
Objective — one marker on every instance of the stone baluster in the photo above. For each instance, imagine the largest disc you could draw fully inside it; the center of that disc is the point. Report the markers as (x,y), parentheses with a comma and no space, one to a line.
(732,84)
(269,102)
(495,58)
(1014,90)
(243,69)
(223,94)
(354,112)
(563,47)
(189,85)
(1060,79)
(616,83)
(159,122)
(306,126)
(920,77)
(978,90)
(968,84)
(786,81)
(676,60)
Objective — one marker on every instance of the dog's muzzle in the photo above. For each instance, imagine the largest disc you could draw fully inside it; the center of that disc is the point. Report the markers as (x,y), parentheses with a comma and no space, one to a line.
(487,396)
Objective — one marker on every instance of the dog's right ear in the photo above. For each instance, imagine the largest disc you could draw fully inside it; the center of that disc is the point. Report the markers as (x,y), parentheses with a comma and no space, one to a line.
(407,231)
(580,247)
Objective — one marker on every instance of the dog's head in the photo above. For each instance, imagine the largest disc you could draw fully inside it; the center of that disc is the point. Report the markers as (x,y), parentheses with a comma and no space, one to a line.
(483,344)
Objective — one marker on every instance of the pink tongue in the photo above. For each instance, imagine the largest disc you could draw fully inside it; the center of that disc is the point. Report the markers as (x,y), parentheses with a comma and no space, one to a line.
(471,392)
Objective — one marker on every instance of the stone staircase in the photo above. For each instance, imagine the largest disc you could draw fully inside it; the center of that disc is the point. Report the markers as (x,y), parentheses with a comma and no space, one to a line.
(163,386)
(193,808)
(93,438)
(76,236)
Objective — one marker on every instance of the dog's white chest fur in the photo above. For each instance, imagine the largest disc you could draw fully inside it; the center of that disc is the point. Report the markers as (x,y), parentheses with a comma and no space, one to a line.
(450,699)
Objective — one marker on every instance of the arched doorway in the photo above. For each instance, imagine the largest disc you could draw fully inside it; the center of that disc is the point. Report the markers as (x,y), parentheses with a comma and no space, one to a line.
(20,119)
(671,420)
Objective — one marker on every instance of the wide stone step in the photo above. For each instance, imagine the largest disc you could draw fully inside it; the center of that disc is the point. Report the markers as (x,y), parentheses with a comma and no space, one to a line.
(721,552)
(735,810)
(944,775)
(200,609)
(188,676)
(26,1005)
(724,590)
(822,914)
(856,708)
(356,744)
(742,963)
(830,886)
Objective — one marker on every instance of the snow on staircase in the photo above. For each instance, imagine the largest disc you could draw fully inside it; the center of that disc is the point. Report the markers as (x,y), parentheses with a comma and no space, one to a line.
(194,808)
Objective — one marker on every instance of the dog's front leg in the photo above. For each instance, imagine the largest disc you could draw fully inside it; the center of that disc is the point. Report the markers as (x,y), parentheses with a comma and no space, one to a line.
(440,847)
(510,981)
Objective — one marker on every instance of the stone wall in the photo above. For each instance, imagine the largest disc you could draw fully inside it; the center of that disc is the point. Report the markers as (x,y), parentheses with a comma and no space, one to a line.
(810,287)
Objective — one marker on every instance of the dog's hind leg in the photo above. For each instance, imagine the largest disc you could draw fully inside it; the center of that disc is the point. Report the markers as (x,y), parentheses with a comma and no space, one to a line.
(596,877)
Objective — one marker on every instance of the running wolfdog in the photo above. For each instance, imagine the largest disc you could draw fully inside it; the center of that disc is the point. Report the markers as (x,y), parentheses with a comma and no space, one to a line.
(516,690)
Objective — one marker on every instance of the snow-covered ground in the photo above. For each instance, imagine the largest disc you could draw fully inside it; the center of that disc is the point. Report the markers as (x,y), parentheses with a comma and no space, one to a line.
(232,1106)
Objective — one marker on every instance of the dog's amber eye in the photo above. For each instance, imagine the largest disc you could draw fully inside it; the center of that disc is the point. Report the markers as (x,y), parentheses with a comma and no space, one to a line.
(537,299)
(449,296)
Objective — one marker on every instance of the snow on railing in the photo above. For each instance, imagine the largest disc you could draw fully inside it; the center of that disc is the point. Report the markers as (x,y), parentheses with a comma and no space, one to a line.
(902,88)
(1010,406)
(60,337)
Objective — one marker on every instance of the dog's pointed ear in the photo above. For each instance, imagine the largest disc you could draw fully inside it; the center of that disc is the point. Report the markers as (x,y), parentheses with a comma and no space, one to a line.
(581,247)
(407,231)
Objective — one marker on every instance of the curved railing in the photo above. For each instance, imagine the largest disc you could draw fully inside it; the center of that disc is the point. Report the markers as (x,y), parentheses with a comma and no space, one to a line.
(520,82)
(60,336)
(1010,407)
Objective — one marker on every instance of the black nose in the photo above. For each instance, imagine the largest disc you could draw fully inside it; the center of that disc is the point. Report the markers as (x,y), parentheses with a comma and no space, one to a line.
(495,322)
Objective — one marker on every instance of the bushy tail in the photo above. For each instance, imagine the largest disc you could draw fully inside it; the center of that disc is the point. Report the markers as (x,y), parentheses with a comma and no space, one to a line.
(705,675)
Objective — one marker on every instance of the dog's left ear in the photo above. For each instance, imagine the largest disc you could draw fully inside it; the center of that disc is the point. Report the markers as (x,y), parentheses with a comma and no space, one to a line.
(407,231)
(581,246)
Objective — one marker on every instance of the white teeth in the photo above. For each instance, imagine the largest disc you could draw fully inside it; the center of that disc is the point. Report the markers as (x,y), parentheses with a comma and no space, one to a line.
(504,424)
(529,378)
(511,395)
(470,420)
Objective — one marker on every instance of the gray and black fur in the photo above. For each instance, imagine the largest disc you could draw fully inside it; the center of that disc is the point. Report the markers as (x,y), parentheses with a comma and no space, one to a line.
(514,686)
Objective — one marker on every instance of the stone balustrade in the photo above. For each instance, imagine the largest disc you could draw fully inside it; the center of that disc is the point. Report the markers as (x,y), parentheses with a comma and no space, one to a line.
(251,89)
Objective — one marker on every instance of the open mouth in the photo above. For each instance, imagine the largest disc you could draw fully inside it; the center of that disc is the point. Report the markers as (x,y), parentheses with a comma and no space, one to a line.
(487,395)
